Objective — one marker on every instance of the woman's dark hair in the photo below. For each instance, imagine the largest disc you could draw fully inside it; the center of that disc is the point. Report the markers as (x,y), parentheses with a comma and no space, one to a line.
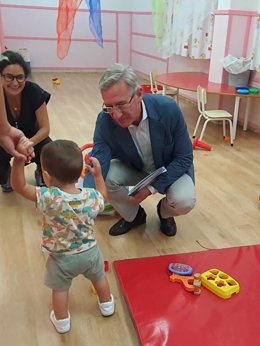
(63,160)
(14,58)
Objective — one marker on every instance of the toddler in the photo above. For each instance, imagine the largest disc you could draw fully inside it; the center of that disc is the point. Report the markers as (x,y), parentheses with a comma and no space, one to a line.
(68,219)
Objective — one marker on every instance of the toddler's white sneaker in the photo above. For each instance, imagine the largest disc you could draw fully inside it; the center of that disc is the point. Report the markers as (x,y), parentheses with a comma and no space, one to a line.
(107,308)
(62,326)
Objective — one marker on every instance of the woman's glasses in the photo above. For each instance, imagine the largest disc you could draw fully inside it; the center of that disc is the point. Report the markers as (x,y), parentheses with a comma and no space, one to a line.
(20,78)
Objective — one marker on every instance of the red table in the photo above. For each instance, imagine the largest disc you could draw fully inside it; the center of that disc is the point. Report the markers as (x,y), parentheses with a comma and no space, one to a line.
(165,314)
(191,80)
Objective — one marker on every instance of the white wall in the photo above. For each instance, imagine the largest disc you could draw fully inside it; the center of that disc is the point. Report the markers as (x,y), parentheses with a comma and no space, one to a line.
(35,30)
(127,5)
(118,5)
(243,5)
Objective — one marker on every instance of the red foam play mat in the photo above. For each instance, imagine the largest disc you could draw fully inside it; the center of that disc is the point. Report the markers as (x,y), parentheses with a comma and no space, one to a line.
(164,313)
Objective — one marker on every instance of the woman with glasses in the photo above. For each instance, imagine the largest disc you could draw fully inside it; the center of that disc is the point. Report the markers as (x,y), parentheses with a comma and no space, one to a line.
(25,104)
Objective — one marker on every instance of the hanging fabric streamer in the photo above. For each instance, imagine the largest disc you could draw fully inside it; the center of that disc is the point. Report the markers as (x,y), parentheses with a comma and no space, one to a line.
(65,23)
(158,21)
(95,25)
(64,26)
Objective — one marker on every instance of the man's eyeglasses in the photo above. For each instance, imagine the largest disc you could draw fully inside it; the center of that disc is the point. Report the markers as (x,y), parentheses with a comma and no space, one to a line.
(20,78)
(119,107)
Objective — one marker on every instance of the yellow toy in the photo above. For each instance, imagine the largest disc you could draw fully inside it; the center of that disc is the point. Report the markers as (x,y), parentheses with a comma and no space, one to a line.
(220,283)
(93,290)
(56,81)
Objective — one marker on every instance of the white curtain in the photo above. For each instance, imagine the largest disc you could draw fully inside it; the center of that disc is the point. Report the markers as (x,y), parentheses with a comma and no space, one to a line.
(188,28)
(255,64)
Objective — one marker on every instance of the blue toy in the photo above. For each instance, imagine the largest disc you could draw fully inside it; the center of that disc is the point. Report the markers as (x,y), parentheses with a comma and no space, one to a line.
(243,91)
(242,87)
(180,269)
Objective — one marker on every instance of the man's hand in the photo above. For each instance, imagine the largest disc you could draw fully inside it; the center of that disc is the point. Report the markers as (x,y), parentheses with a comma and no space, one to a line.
(10,141)
(141,195)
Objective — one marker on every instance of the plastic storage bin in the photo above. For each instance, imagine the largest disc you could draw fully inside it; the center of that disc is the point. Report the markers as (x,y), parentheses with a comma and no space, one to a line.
(238,79)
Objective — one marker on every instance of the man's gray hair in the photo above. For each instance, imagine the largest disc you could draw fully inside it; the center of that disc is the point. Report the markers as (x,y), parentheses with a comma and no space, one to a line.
(116,73)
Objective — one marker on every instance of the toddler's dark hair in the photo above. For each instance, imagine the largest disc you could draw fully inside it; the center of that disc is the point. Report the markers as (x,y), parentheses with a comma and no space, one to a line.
(62,159)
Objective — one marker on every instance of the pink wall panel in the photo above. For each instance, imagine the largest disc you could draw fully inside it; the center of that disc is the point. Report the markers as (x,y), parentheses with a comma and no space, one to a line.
(87,56)
(237,34)
(145,44)
(143,23)
(144,64)
(35,29)
(25,19)
(29,22)
(144,56)
(218,48)
(125,34)
(2,40)
(81,26)
(124,38)
(251,34)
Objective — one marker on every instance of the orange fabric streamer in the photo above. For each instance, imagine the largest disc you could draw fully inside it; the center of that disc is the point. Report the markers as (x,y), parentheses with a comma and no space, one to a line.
(64,26)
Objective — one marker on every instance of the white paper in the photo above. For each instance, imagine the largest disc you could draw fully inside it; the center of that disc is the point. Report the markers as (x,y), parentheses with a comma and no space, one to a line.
(147,180)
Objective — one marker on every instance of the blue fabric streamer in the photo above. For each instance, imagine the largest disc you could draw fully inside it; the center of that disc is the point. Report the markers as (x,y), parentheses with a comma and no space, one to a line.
(95,25)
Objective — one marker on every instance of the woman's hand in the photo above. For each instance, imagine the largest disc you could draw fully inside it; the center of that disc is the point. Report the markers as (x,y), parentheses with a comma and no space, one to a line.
(10,141)
(25,146)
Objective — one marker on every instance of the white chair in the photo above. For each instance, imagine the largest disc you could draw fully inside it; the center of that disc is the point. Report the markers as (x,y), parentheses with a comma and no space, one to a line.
(158,89)
(211,115)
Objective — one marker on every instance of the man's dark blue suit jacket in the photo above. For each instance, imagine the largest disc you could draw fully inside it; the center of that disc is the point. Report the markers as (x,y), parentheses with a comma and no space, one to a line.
(171,145)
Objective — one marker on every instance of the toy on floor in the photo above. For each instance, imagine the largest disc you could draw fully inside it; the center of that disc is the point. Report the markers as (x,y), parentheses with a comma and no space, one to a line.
(191,283)
(220,283)
(106,268)
(93,290)
(197,284)
(201,145)
(180,268)
(163,312)
(56,81)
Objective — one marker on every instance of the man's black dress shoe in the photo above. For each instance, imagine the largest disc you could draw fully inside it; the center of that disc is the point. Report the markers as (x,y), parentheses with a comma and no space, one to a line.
(122,226)
(167,226)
